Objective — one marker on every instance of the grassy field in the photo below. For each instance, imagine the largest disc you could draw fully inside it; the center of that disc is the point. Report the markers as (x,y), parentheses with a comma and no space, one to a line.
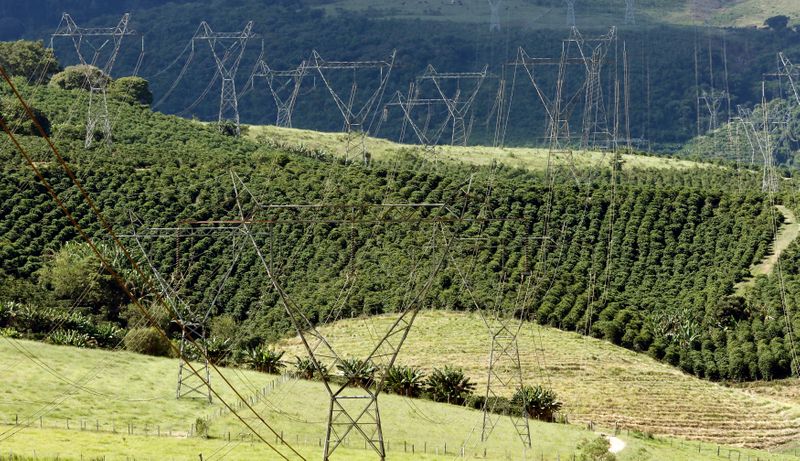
(100,393)
(596,380)
(544,14)
(534,159)
(788,233)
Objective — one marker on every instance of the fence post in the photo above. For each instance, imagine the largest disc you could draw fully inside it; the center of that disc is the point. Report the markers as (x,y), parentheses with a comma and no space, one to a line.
(67,423)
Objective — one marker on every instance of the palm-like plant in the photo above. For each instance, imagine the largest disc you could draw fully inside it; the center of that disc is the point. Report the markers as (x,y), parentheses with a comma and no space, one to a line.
(449,385)
(407,381)
(357,372)
(538,402)
(217,349)
(265,360)
(305,369)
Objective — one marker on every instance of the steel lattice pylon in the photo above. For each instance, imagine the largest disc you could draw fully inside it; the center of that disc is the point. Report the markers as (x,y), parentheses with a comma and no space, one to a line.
(351,410)
(192,320)
(278,82)
(458,104)
(630,12)
(787,69)
(227,56)
(571,13)
(358,118)
(97,114)
(494,19)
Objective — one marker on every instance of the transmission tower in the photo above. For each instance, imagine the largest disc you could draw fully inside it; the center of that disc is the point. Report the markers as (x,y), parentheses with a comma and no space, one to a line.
(227,49)
(494,19)
(284,85)
(427,136)
(458,104)
(192,318)
(358,118)
(630,12)
(352,410)
(570,13)
(713,101)
(792,74)
(97,39)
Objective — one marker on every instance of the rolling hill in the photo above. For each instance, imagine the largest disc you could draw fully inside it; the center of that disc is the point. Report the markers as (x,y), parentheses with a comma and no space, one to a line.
(102,395)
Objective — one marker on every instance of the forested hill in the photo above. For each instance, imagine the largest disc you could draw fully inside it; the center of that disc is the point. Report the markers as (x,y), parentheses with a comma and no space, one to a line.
(662,76)
(647,261)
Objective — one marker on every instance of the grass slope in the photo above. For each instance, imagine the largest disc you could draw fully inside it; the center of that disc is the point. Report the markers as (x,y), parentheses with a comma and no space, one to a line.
(534,159)
(124,388)
(596,380)
(546,14)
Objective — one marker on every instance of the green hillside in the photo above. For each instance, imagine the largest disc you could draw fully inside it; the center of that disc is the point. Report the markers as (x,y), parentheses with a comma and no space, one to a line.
(597,381)
(681,237)
(118,389)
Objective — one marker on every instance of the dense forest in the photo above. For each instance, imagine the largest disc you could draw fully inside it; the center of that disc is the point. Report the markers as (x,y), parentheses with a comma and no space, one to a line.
(661,83)
(643,258)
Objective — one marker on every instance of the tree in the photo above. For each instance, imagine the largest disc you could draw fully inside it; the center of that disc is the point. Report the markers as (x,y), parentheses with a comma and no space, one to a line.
(28,59)
(14,114)
(538,402)
(80,77)
(76,275)
(133,90)
(449,385)
(778,22)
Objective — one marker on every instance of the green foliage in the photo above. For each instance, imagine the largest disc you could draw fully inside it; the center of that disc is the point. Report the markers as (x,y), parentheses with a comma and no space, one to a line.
(538,402)
(595,449)
(80,77)
(133,90)
(449,385)
(16,116)
(148,341)
(218,349)
(28,59)
(201,428)
(407,381)
(304,368)
(779,22)
(356,372)
(264,359)
(70,338)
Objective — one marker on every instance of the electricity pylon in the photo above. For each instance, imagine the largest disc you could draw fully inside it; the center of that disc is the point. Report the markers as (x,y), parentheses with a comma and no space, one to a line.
(284,85)
(791,72)
(358,117)
(192,318)
(97,113)
(227,49)
(630,12)
(571,13)
(494,18)
(458,104)
(351,410)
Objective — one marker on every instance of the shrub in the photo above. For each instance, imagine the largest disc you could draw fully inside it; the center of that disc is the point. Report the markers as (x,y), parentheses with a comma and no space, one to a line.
(595,450)
(108,335)
(449,385)
(71,338)
(80,77)
(133,90)
(538,402)
(29,59)
(14,114)
(201,427)
(407,381)
(264,359)
(147,341)
(357,372)
(305,369)
(217,349)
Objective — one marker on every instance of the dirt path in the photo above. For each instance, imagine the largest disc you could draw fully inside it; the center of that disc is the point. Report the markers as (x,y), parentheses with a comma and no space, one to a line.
(786,235)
